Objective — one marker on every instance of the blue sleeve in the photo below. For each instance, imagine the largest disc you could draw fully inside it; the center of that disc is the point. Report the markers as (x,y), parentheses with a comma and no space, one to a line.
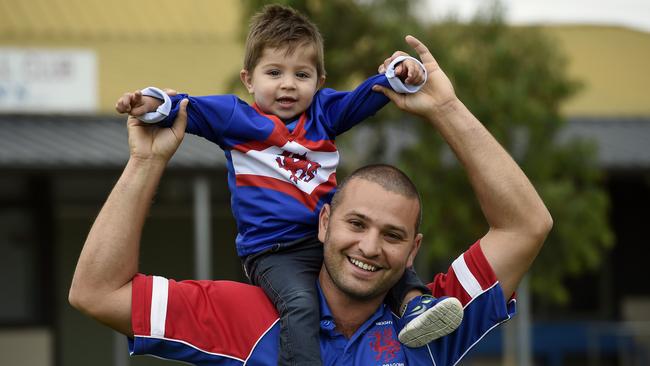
(207,116)
(481,315)
(344,110)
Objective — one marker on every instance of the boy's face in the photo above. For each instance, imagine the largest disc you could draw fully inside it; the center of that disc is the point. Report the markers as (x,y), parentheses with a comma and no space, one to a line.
(284,84)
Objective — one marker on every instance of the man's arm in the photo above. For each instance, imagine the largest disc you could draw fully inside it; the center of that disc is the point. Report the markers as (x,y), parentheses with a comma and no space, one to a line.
(518,219)
(101,286)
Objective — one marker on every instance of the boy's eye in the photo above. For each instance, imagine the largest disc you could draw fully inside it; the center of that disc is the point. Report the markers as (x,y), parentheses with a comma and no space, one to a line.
(273,72)
(302,75)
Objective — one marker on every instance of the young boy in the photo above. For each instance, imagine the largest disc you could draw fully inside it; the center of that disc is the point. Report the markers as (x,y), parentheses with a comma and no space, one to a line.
(281,161)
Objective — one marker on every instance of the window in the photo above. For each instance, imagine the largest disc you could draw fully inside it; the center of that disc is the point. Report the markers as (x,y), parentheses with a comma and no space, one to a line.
(25,247)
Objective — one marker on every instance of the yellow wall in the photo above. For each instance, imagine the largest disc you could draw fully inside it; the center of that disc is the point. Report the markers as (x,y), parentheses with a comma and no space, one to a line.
(189,45)
(612,63)
(194,46)
(26,346)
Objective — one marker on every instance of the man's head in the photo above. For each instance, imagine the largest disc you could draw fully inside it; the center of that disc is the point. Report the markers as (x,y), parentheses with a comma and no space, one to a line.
(370,232)
(284,62)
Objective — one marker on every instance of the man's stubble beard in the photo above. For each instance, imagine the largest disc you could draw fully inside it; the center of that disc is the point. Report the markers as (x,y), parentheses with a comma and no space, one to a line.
(337,277)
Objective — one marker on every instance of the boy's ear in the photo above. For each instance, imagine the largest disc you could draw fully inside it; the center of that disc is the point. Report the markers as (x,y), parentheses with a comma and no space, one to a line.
(246,79)
(321,81)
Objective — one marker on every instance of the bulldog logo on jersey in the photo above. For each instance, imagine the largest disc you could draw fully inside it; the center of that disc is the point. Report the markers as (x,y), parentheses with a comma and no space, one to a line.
(303,170)
(384,345)
(295,163)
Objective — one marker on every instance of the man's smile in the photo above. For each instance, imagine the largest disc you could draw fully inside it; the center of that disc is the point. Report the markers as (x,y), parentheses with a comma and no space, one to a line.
(363,265)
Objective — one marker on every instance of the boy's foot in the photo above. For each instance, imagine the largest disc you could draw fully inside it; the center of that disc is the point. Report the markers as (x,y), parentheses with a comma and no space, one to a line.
(427,318)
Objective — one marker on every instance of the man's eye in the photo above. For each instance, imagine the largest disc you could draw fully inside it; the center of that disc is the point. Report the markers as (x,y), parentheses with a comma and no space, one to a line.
(394,236)
(356,224)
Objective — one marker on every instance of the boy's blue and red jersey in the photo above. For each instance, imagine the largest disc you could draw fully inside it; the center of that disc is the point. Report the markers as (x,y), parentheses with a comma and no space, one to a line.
(279,175)
(230,323)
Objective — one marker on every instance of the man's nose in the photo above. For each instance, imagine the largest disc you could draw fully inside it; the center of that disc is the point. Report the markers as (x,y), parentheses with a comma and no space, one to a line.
(370,244)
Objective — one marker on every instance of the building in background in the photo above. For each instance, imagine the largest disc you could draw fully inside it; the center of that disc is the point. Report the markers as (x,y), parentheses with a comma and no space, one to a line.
(607,320)
(63,63)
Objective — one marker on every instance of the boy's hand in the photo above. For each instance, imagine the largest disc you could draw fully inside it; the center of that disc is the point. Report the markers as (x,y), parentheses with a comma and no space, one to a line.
(137,104)
(408,70)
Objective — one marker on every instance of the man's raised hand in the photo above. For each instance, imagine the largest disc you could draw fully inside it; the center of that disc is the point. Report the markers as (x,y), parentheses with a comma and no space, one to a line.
(151,142)
(436,93)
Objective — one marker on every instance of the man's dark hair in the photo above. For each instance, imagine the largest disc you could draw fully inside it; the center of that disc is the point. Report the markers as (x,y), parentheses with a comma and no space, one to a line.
(388,177)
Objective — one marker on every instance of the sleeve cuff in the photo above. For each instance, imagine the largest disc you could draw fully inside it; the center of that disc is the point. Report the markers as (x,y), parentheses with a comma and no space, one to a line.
(162,111)
(396,83)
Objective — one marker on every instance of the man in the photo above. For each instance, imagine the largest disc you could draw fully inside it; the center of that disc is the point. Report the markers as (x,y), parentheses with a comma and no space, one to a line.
(369,234)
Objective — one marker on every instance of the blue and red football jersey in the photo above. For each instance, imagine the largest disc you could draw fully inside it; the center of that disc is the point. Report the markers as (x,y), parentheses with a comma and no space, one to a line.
(279,175)
(230,323)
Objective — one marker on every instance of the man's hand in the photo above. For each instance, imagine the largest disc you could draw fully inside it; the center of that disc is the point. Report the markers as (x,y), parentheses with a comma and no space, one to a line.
(436,93)
(150,142)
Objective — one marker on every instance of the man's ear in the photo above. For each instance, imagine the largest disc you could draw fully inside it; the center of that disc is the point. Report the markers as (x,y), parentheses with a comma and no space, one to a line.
(246,79)
(414,251)
(323,222)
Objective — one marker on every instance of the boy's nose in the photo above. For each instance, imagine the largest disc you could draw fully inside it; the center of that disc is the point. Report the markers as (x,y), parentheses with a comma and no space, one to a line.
(288,83)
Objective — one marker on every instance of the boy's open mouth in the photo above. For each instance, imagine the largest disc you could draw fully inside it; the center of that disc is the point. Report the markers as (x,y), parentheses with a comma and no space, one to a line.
(286,100)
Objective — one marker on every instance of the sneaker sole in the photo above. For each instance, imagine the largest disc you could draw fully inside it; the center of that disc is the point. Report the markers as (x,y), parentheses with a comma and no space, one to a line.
(434,323)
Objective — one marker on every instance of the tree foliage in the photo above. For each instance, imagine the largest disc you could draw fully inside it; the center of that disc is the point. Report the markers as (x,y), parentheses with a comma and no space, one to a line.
(514,80)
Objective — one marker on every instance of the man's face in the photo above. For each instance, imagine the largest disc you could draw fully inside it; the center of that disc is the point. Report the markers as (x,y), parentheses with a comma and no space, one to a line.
(368,240)
(283,84)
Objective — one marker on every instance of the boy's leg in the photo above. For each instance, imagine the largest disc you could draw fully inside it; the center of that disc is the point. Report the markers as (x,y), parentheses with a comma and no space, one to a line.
(423,317)
(404,289)
(288,276)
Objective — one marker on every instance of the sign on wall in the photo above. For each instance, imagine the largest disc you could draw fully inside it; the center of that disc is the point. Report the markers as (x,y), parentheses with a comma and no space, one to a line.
(47,80)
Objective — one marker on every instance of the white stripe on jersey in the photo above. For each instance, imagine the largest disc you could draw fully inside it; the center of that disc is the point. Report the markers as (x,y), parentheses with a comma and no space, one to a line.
(263,163)
(159,293)
(466,278)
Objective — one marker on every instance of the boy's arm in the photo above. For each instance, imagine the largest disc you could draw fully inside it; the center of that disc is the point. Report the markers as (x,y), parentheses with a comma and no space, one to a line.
(344,110)
(207,116)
